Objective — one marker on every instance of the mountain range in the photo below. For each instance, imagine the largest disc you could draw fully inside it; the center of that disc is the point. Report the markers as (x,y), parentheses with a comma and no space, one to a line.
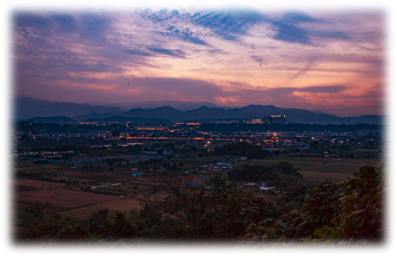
(28,108)
(180,105)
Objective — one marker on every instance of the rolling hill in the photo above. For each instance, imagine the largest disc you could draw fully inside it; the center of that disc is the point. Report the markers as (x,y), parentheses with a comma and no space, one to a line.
(27,108)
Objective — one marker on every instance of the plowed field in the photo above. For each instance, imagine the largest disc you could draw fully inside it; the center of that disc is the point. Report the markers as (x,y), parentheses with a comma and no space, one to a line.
(37,183)
(65,198)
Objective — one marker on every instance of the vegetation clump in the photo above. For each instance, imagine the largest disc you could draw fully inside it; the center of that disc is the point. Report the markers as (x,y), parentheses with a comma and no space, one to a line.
(281,174)
(352,210)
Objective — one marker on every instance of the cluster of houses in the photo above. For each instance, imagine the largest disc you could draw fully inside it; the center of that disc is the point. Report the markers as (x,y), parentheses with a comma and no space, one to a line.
(46,156)
(218,166)
(260,185)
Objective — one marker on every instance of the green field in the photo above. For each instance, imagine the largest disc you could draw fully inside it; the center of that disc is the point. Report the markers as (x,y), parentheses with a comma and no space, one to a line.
(321,168)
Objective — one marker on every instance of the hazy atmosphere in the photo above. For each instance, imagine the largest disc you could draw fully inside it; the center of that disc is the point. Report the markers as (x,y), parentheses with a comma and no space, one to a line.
(327,61)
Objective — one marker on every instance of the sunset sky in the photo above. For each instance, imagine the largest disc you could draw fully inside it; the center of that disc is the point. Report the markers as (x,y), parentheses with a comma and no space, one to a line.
(315,60)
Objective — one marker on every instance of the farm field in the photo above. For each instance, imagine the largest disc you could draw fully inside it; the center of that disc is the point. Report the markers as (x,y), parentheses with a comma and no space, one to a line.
(315,175)
(96,175)
(321,168)
(22,216)
(10,188)
(121,204)
(37,183)
(74,200)
(69,201)
(64,197)
(40,167)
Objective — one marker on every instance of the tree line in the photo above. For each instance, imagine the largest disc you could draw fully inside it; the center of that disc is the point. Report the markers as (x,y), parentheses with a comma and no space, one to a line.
(351,211)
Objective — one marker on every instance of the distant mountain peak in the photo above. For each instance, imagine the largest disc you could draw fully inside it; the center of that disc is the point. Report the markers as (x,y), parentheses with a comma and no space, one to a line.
(166,107)
(26,107)
(29,108)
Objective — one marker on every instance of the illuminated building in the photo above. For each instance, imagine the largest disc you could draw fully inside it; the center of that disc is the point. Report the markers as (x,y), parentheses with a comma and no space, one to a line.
(151,128)
(254,121)
(274,119)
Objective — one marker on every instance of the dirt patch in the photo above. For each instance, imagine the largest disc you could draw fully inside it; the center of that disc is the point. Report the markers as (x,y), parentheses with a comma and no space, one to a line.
(64,197)
(94,175)
(122,204)
(336,177)
(9,188)
(38,183)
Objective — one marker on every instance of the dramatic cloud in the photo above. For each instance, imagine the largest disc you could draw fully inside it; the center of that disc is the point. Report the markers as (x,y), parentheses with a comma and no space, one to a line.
(175,53)
(313,60)
(258,59)
(324,89)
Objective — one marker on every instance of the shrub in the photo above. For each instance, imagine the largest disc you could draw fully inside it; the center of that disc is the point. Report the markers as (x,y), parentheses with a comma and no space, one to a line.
(351,210)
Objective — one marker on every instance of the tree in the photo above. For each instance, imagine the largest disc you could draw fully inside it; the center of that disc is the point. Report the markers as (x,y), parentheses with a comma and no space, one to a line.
(281,174)
(251,173)
(110,162)
(224,212)
(174,168)
(36,211)
(115,133)
(352,210)
(286,168)
(25,137)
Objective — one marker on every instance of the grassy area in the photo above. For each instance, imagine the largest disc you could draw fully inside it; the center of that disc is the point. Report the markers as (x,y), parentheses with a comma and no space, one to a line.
(302,159)
(13,213)
(106,192)
(330,168)
(40,167)
(316,175)
(123,205)
(321,168)
(117,189)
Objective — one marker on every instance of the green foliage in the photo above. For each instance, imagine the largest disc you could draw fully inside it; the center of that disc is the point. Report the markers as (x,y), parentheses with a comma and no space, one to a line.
(359,204)
(249,172)
(281,174)
(115,133)
(174,168)
(351,210)
(25,137)
(194,213)
(286,168)
(102,233)
(35,211)
(104,192)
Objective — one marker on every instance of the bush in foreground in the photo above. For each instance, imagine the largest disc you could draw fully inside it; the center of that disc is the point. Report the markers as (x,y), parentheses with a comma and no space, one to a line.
(352,210)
